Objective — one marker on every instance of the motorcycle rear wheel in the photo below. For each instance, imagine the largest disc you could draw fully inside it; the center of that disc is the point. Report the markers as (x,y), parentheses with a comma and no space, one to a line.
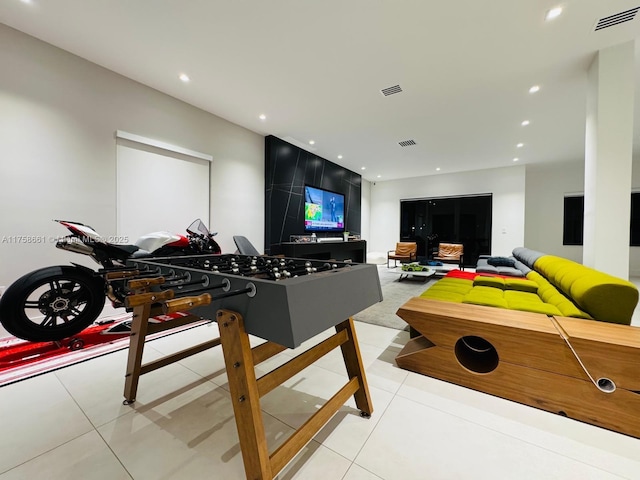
(52,303)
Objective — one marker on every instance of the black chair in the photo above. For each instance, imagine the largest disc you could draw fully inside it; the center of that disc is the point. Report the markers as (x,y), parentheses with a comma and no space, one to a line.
(244,246)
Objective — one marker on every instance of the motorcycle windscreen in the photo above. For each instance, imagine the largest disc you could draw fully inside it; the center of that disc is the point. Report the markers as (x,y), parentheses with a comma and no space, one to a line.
(198,227)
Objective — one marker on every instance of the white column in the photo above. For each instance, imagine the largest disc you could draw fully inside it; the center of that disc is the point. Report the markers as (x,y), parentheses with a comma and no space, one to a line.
(608,160)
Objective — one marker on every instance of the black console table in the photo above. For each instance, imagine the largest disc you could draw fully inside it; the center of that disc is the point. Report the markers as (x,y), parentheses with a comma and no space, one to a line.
(355,250)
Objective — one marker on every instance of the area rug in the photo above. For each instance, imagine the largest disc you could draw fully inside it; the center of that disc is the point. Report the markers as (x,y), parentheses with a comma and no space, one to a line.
(394,293)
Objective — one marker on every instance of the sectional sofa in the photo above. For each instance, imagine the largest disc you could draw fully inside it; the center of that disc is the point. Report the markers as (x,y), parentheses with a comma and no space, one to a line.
(557,338)
(547,284)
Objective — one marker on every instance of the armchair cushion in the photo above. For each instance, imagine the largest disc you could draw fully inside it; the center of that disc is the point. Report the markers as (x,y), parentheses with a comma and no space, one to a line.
(450,252)
(405,251)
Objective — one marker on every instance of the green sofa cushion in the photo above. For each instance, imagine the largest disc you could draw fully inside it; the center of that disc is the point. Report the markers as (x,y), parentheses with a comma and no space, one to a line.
(486,300)
(520,285)
(461,289)
(443,295)
(568,309)
(517,296)
(485,281)
(453,285)
(449,289)
(488,291)
(602,296)
(551,295)
(536,307)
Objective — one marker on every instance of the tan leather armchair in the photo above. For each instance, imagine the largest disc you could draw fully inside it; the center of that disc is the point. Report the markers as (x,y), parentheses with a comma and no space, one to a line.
(405,252)
(450,253)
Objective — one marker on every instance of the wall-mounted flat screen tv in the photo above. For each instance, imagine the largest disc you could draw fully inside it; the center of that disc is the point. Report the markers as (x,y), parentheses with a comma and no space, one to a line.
(323,210)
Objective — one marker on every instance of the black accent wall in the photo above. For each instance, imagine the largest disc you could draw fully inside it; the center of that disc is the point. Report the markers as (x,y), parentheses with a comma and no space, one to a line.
(287,169)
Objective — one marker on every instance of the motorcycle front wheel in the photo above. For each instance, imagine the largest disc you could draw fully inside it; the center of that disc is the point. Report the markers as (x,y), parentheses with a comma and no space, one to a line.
(52,303)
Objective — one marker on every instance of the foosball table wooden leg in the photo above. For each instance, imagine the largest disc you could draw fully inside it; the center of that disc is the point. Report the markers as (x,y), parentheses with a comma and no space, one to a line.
(355,368)
(139,324)
(245,397)
(246,391)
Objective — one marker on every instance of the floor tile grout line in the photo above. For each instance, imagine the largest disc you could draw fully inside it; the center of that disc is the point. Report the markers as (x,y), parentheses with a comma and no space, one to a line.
(512,436)
(355,458)
(93,428)
(115,454)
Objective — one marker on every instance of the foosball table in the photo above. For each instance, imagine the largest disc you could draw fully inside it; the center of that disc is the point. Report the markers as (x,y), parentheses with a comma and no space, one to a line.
(284,301)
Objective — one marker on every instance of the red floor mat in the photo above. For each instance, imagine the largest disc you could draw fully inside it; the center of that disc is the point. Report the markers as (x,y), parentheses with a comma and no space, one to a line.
(20,359)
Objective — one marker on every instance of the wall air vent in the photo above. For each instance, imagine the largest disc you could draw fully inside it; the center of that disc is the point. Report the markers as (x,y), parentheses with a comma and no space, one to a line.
(616,19)
(407,143)
(391,90)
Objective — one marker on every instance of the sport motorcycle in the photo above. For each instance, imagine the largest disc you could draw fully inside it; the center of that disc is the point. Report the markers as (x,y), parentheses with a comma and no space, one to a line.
(53,303)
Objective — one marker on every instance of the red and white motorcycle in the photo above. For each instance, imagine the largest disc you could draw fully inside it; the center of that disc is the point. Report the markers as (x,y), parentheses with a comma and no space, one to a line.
(53,303)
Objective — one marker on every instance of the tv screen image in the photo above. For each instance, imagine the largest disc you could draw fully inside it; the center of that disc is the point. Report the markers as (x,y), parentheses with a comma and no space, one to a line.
(323,210)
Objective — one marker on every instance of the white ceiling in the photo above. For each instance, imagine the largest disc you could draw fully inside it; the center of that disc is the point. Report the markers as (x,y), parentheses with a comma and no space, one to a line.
(316,68)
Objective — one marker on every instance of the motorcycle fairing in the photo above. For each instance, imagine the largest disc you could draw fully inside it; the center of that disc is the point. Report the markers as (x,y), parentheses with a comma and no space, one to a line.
(153,241)
(82,230)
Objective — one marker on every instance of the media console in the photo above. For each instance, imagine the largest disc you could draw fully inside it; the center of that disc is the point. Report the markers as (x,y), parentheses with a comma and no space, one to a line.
(355,250)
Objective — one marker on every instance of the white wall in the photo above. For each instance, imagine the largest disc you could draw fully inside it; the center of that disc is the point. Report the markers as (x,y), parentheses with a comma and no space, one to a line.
(506,184)
(546,186)
(58,117)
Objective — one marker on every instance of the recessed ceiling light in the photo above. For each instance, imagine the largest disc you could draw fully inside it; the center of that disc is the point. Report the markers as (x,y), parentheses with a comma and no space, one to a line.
(553,13)
(520,145)
(339,157)
(26,1)
(262,117)
(438,169)
(379,176)
(184,77)
(534,89)
(525,123)
(363,168)
(516,159)
(312,142)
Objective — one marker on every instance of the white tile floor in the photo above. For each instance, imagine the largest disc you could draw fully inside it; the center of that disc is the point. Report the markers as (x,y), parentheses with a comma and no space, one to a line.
(71,424)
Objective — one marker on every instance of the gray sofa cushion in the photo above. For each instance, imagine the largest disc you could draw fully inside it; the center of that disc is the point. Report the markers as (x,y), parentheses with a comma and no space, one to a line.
(522,267)
(511,271)
(526,255)
(483,266)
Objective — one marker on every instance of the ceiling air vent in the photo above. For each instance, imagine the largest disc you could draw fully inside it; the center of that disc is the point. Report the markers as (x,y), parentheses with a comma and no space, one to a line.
(616,19)
(407,143)
(391,90)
